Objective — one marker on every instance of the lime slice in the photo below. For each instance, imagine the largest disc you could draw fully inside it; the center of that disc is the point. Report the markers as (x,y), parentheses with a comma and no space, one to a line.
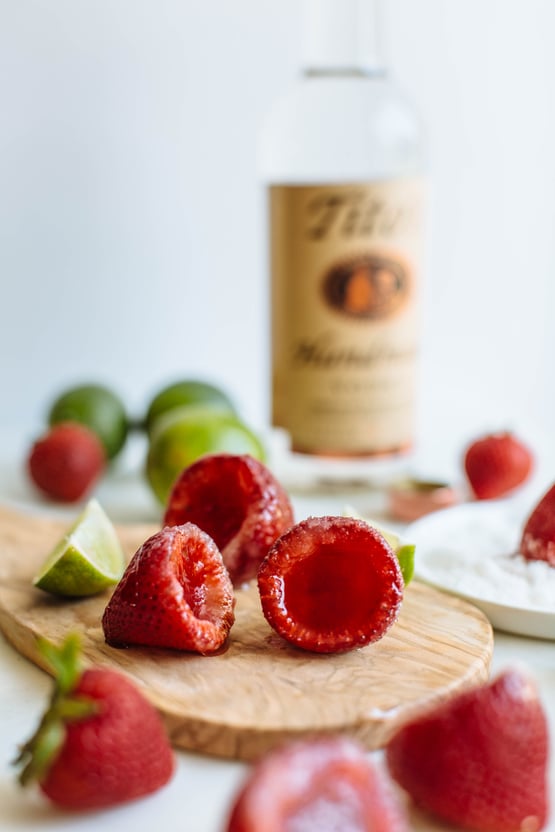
(87,560)
(403,550)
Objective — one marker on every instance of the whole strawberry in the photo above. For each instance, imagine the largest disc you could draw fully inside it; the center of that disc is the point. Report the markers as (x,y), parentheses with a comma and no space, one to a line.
(99,743)
(538,535)
(66,462)
(496,464)
(314,785)
(479,761)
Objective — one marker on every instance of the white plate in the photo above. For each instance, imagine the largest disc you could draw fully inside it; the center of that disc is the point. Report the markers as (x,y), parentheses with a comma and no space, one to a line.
(468,551)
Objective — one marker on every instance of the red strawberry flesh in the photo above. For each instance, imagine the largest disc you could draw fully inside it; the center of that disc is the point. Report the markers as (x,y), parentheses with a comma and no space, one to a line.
(538,536)
(318,785)
(175,593)
(479,760)
(331,584)
(238,502)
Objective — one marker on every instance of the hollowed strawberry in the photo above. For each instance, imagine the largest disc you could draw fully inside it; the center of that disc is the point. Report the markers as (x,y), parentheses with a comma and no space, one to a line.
(331,584)
(316,785)
(176,593)
(238,502)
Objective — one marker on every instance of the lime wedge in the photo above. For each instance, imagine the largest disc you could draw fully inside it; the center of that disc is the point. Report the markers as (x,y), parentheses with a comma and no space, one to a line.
(403,550)
(88,558)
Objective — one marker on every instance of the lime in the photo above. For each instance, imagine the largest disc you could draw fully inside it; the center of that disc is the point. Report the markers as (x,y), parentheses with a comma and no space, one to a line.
(404,551)
(99,409)
(88,558)
(184,434)
(181,393)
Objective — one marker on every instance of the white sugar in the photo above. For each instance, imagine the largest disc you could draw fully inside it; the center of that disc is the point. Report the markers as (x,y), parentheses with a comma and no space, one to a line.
(479,559)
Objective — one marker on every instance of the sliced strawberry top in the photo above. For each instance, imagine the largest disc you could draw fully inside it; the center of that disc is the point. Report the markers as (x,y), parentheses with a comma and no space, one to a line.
(317,785)
(176,593)
(331,584)
(538,536)
(479,761)
(238,502)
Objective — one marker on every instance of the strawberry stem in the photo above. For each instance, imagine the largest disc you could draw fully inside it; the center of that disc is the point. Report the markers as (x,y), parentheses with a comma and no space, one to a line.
(65,661)
(40,751)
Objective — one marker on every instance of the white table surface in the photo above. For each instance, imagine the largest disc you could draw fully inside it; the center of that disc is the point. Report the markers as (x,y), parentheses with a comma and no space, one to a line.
(199,795)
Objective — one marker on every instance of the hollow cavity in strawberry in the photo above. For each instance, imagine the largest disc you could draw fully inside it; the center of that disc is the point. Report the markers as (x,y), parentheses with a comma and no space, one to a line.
(331,584)
(238,502)
(175,593)
(315,785)
(538,535)
(479,761)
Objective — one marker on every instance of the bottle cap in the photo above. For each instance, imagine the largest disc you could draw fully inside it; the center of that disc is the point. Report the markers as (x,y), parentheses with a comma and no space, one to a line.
(409,499)
(341,35)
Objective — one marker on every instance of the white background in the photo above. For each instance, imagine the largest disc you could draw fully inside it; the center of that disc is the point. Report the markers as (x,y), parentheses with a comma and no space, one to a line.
(130,214)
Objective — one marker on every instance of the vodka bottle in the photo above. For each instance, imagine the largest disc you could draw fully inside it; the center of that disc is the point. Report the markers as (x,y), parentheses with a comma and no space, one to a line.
(341,156)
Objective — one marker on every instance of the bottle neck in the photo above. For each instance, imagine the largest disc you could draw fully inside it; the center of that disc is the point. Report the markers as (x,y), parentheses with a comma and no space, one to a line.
(341,38)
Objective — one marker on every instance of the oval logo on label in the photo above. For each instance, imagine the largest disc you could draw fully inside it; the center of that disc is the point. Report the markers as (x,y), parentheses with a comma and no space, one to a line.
(367,287)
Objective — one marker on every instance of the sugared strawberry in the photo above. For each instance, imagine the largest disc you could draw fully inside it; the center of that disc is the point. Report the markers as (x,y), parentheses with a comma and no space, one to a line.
(496,464)
(314,786)
(175,592)
(66,462)
(100,742)
(479,761)
(538,536)
(238,502)
(331,584)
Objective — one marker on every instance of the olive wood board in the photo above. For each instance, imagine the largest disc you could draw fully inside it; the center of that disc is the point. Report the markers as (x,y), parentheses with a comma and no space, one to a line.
(259,691)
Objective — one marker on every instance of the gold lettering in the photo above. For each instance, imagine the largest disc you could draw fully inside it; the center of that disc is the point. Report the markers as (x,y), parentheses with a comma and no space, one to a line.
(353,214)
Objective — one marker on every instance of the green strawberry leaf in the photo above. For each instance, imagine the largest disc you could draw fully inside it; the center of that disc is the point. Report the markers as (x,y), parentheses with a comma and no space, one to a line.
(64,661)
(36,755)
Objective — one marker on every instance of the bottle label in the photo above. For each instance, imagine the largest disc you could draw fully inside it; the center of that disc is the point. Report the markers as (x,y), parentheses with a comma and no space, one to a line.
(345,262)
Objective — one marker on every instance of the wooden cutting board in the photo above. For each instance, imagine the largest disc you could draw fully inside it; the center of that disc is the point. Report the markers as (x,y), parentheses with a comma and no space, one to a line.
(259,691)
